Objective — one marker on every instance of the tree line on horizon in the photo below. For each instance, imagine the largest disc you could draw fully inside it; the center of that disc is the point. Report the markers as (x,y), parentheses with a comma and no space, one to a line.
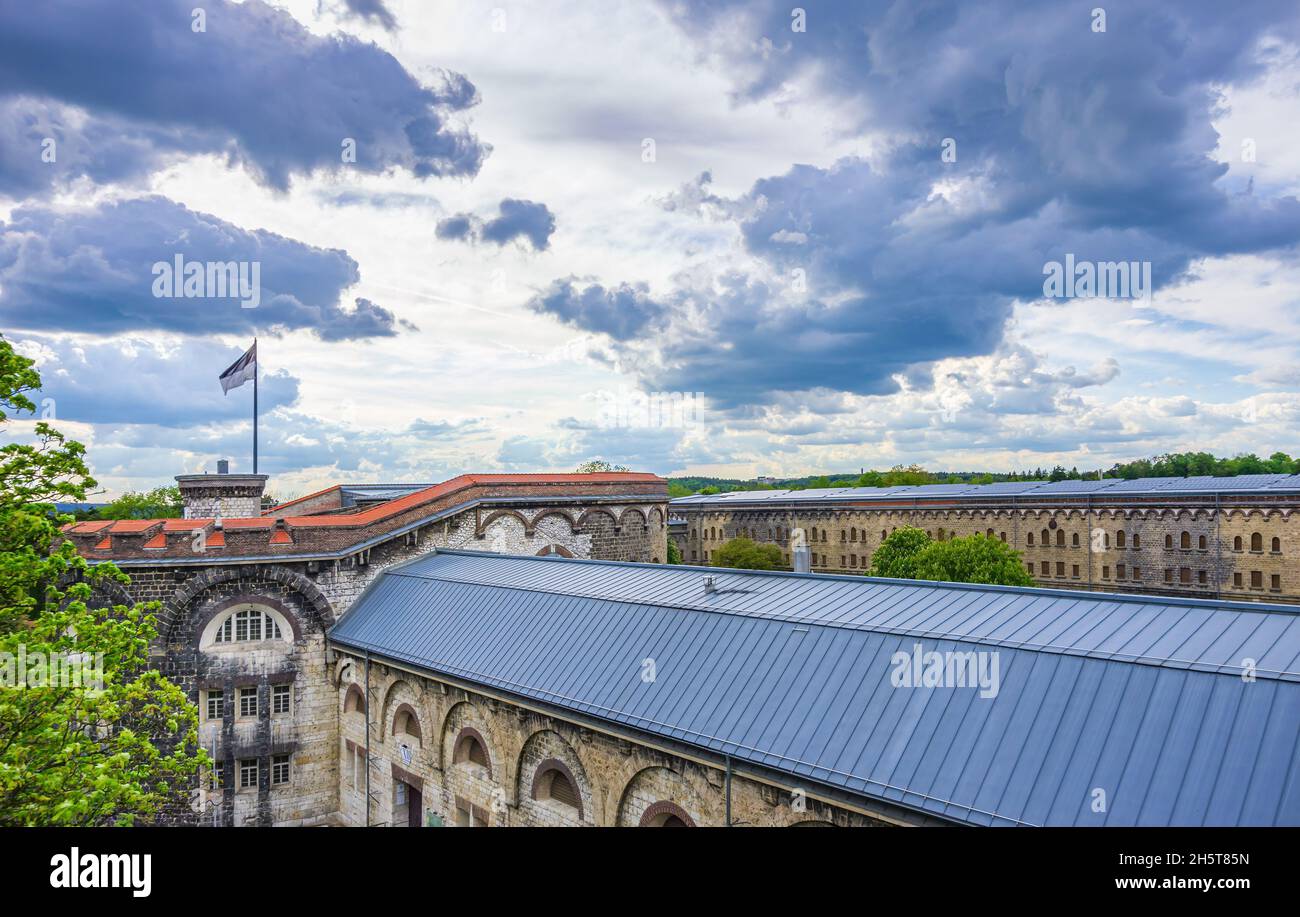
(1170,465)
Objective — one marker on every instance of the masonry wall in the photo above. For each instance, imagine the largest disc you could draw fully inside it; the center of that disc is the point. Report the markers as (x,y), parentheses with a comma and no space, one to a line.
(310,596)
(620,781)
(1186,550)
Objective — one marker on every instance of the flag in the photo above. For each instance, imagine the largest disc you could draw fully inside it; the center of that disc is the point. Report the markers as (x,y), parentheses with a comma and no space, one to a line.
(240,371)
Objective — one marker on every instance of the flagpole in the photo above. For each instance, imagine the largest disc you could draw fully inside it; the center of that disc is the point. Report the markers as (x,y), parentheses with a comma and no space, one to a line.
(255,406)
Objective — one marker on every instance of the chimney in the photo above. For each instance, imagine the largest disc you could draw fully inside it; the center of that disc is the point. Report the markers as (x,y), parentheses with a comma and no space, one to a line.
(221,495)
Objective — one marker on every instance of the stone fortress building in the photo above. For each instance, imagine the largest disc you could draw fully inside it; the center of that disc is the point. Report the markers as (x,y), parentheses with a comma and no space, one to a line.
(1206,537)
(248,596)
(511,650)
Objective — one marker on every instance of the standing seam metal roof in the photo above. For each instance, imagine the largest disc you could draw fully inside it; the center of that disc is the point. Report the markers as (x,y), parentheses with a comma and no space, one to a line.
(1141,697)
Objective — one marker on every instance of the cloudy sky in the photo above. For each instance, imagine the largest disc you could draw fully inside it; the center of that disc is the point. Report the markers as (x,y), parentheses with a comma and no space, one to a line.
(817,234)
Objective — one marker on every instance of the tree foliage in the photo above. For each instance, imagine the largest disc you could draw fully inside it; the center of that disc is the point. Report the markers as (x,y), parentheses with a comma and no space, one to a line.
(909,553)
(747,554)
(159,503)
(113,753)
(674,552)
(597,465)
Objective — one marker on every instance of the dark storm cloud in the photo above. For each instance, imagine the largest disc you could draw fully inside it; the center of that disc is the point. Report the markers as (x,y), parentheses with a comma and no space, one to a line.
(94,271)
(621,312)
(372,11)
(1097,144)
(133,381)
(126,87)
(515,219)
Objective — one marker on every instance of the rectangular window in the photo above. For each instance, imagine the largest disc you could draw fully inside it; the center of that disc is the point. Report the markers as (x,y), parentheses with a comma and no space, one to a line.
(216,705)
(1256,579)
(1060,568)
(1201,577)
(1074,571)
(248,702)
(1184,574)
(279,770)
(1030,567)
(280,699)
(1169,574)
(1043,566)
(1105,572)
(1275,582)
(1120,571)
(1236,580)
(247,773)
(1137,573)
(219,774)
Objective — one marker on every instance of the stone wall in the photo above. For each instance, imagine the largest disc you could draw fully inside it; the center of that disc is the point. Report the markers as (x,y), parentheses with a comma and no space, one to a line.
(310,596)
(1186,550)
(620,780)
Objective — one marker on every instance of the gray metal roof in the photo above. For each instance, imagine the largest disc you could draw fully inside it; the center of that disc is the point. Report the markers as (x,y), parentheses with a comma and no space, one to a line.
(1140,697)
(1268,484)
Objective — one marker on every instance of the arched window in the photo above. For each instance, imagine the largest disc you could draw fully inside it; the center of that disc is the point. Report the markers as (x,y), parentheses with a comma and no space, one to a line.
(1237,543)
(554,781)
(1047,538)
(666,815)
(1060,538)
(1276,547)
(1169,542)
(1119,539)
(1029,538)
(1137,541)
(1185,541)
(988,533)
(1074,540)
(883,534)
(1201,543)
(246,626)
(470,750)
(1256,542)
(354,701)
(844,536)
(405,723)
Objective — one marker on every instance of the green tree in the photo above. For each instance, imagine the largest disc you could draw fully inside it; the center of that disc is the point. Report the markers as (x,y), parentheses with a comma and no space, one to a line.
(674,552)
(110,753)
(159,503)
(897,554)
(598,465)
(972,559)
(746,554)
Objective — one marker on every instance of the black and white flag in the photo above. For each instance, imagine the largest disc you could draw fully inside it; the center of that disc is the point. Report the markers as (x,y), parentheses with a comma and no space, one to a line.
(240,371)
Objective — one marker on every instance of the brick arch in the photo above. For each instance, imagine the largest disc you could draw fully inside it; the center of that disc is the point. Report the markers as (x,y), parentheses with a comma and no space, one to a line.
(582,520)
(317,607)
(394,700)
(532,526)
(661,808)
(354,690)
(496,514)
(450,734)
(642,784)
(555,764)
(410,711)
(656,516)
(633,510)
